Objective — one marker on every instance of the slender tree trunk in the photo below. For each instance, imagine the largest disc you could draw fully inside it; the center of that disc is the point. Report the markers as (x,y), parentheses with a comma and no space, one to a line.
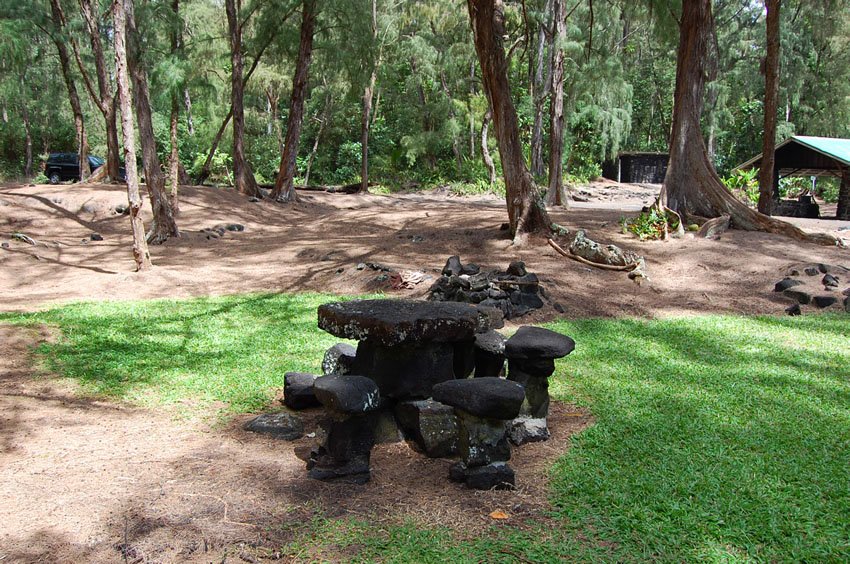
(243,175)
(692,187)
(539,91)
(326,112)
(485,150)
(556,195)
(25,116)
(187,103)
(452,115)
(140,247)
(526,212)
(771,100)
(58,17)
(207,168)
(163,225)
(104,99)
(368,92)
(469,109)
(284,186)
(174,156)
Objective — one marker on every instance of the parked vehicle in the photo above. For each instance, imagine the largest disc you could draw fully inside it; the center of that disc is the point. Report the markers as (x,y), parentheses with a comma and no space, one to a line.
(66,166)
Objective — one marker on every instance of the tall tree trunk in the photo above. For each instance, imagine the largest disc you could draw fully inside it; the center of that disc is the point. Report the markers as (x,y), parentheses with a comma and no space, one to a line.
(843,210)
(469,109)
(284,186)
(485,150)
(207,167)
(187,103)
(25,116)
(58,18)
(326,112)
(243,175)
(692,187)
(526,212)
(163,225)
(540,89)
(368,92)
(273,126)
(556,195)
(104,98)
(141,255)
(771,100)
(174,156)
(453,116)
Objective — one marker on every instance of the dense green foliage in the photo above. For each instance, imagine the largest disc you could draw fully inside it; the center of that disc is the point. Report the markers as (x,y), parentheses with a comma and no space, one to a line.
(715,438)
(620,70)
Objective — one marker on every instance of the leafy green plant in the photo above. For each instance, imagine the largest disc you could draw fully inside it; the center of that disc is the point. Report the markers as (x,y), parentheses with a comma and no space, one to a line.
(744,184)
(650,225)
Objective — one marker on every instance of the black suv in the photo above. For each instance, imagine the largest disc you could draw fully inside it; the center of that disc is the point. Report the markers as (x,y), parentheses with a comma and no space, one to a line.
(66,166)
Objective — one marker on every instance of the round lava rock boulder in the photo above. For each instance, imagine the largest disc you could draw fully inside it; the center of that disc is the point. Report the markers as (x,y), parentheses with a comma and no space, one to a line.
(490,398)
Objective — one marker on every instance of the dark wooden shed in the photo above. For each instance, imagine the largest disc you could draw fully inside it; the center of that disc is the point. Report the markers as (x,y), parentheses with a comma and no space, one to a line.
(812,156)
(637,167)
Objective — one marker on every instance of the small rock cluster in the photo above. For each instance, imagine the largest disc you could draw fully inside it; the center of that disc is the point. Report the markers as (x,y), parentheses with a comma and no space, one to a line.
(514,291)
(797,286)
(219,230)
(437,378)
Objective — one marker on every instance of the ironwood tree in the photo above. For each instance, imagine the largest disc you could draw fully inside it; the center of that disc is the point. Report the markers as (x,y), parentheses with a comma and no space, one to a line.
(771,95)
(284,187)
(692,187)
(163,225)
(243,174)
(526,212)
(141,254)
(103,97)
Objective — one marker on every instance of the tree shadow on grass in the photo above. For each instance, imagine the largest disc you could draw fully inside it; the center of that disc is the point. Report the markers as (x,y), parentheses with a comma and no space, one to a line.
(711,430)
(232,349)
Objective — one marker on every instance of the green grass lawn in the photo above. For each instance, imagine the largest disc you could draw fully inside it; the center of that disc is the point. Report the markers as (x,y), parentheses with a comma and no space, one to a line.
(719,439)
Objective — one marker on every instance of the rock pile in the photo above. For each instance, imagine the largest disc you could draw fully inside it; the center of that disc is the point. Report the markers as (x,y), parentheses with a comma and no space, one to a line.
(816,284)
(514,291)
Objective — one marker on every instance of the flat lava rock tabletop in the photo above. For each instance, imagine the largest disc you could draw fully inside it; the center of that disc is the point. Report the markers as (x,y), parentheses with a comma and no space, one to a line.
(396,322)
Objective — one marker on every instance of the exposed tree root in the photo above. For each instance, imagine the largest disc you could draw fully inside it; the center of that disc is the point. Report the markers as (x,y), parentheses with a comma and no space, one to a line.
(614,267)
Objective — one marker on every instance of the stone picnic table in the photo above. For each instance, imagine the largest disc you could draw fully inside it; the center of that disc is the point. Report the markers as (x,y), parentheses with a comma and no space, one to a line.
(409,346)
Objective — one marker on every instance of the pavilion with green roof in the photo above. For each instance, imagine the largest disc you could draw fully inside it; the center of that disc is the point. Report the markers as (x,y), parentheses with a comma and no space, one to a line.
(803,155)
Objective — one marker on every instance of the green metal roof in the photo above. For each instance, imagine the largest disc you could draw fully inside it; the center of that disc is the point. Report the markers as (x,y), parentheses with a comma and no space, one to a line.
(838,149)
(832,147)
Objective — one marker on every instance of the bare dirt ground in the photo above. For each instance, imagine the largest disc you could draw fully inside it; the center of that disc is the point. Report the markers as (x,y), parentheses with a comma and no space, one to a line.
(88,480)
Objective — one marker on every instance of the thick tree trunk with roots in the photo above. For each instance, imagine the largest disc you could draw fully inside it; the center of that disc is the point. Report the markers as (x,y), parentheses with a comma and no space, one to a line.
(140,247)
(243,175)
(284,186)
(556,195)
(163,225)
(692,186)
(526,212)
(771,95)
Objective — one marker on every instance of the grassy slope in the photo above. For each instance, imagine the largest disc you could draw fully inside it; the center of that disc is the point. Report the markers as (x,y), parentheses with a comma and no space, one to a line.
(717,438)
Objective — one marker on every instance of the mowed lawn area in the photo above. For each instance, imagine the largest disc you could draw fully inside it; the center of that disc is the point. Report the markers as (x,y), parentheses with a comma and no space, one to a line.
(715,438)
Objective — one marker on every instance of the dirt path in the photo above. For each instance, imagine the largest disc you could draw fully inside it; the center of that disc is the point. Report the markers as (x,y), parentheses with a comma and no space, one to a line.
(317,244)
